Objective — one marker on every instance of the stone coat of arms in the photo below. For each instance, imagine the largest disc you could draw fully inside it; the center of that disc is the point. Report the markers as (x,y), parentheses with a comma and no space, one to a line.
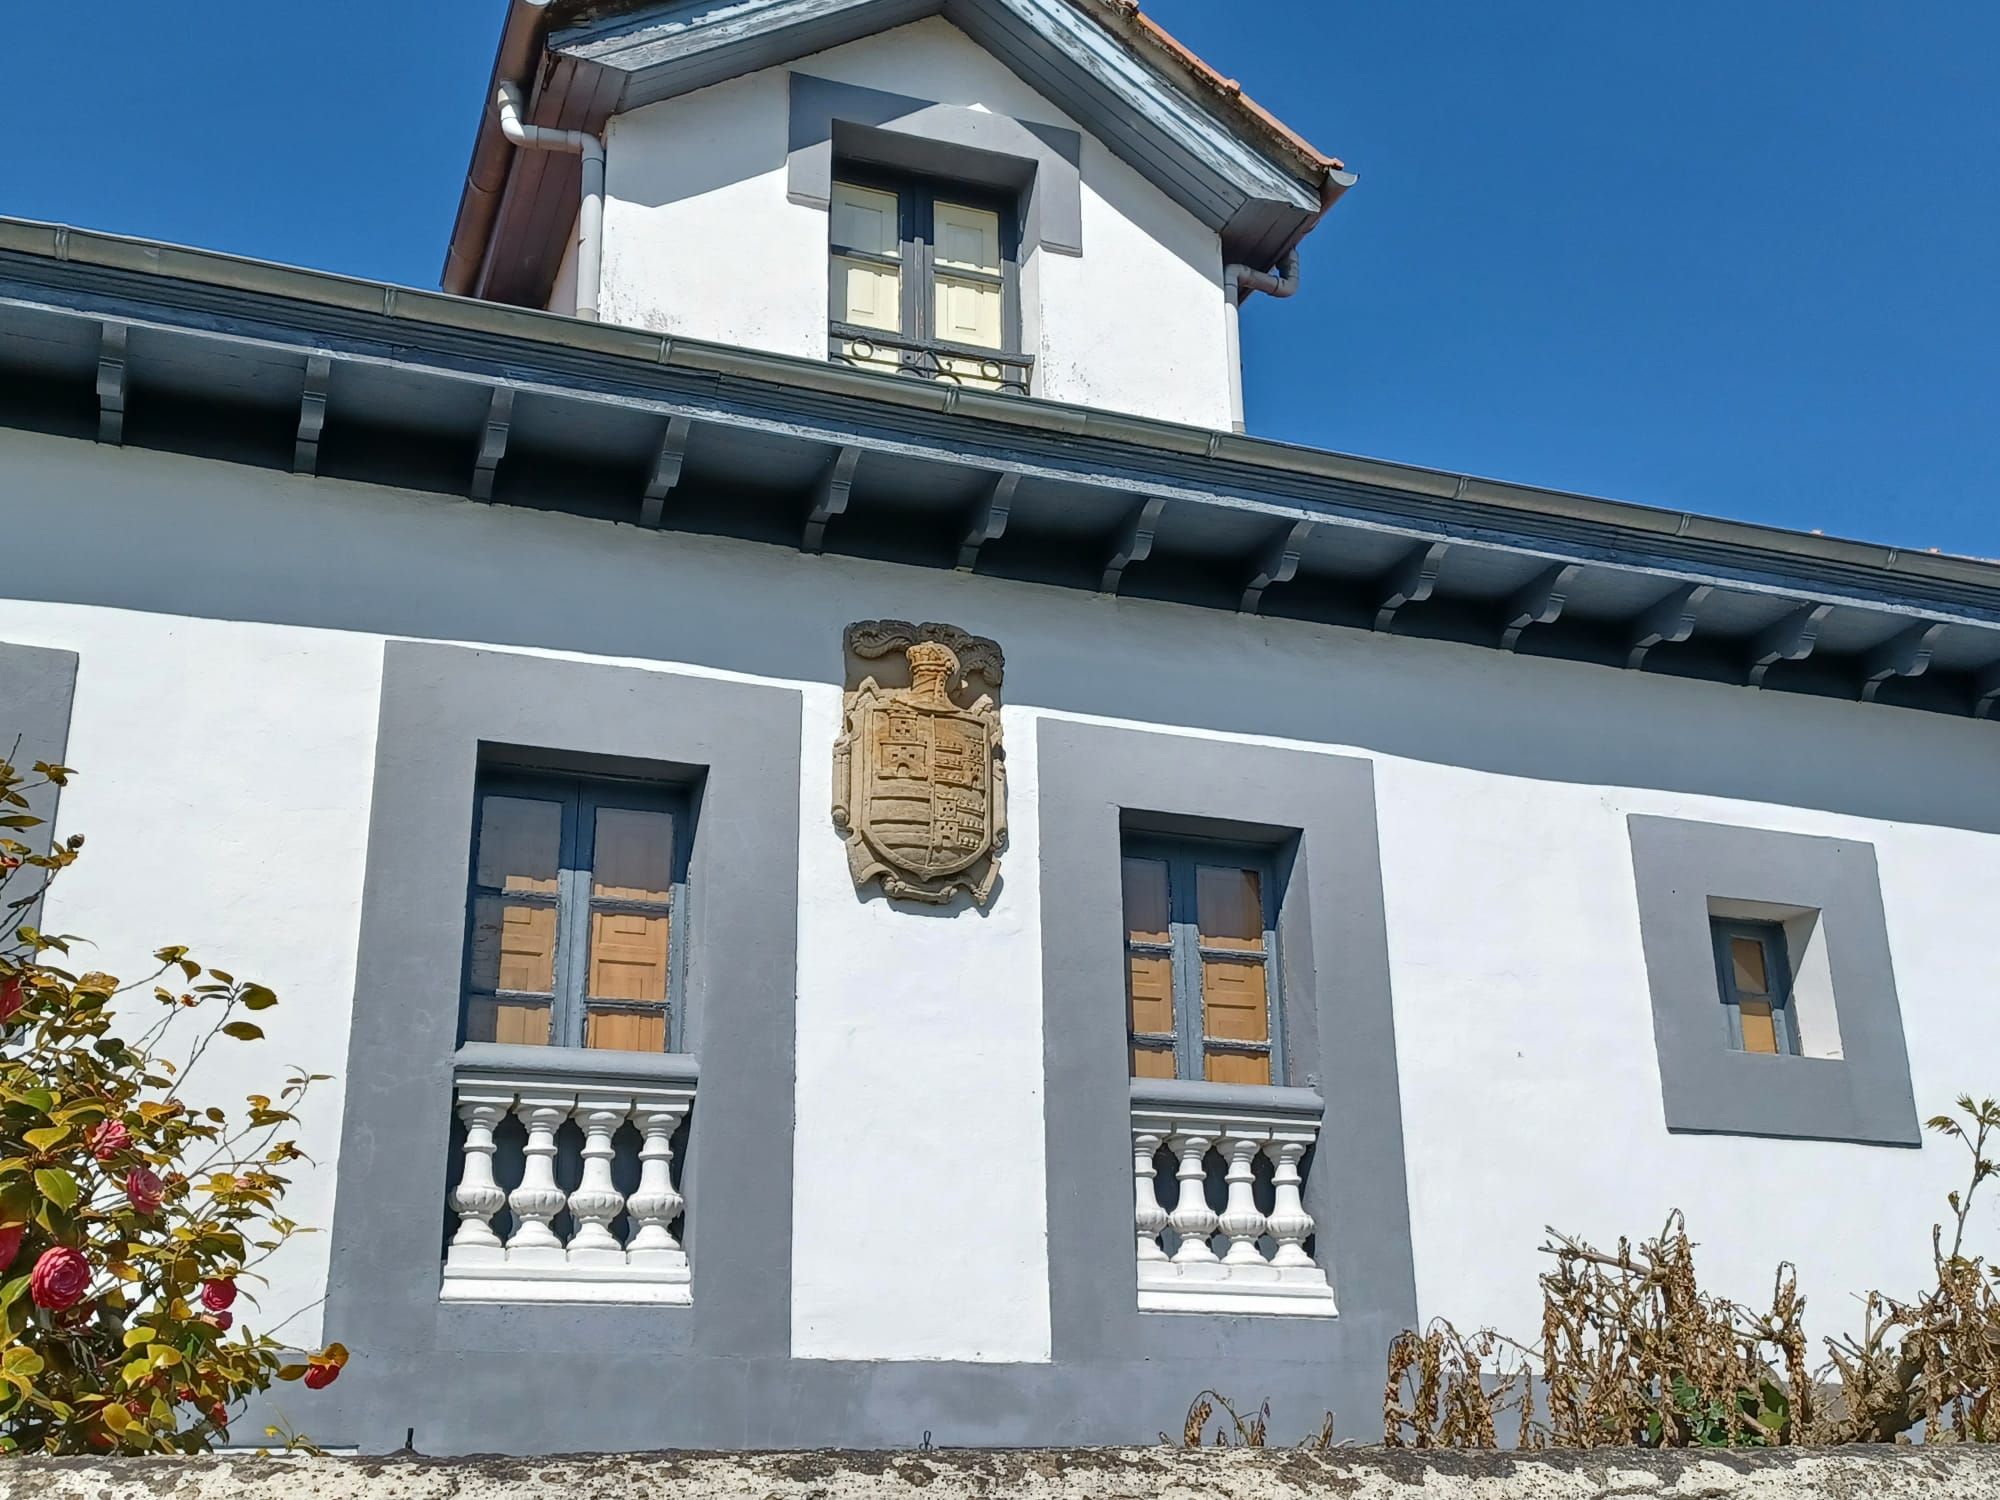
(919,778)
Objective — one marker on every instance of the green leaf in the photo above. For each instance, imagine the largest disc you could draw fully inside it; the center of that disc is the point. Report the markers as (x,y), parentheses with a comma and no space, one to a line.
(136,1371)
(57,1186)
(257,997)
(243,1031)
(47,1138)
(12,1291)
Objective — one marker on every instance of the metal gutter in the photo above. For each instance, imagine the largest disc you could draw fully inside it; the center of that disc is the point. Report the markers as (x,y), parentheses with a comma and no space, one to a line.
(519,53)
(419,310)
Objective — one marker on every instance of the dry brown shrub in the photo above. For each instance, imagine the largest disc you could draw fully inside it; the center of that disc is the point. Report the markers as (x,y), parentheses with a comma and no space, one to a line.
(1633,1351)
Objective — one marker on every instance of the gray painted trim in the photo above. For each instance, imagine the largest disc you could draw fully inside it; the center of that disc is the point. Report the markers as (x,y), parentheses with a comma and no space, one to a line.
(505,1060)
(1865,1095)
(420,1362)
(1197,1093)
(37,690)
(1340,1041)
(1038,162)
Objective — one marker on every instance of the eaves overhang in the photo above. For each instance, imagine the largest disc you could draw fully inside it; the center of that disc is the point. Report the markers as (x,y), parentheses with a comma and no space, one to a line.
(1190,131)
(125,341)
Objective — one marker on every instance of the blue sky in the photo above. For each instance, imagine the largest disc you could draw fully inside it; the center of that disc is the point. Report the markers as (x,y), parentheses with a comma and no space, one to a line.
(1735,256)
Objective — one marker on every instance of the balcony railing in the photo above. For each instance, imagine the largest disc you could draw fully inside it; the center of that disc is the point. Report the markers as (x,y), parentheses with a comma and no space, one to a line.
(542,1215)
(959,364)
(1218,1177)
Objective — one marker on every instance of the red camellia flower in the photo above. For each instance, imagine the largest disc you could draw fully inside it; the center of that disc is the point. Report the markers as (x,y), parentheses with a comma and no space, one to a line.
(12,994)
(319,1377)
(218,1414)
(60,1278)
(10,1243)
(107,1140)
(222,1320)
(217,1296)
(144,1190)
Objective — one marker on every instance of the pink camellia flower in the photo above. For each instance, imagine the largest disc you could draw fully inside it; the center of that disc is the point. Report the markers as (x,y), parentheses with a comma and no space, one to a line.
(144,1190)
(319,1377)
(60,1278)
(12,994)
(10,1243)
(108,1139)
(218,1296)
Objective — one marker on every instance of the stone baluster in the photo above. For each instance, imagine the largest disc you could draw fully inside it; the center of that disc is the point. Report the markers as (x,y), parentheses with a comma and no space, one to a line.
(1240,1219)
(654,1205)
(478,1196)
(1290,1224)
(538,1199)
(1192,1219)
(1149,1217)
(597,1201)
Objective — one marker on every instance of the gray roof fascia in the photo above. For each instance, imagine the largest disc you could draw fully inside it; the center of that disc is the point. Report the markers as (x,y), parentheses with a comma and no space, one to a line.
(273,306)
(1178,144)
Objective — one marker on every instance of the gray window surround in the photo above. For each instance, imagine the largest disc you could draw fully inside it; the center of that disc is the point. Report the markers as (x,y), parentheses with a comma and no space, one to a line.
(1037,164)
(37,691)
(1864,1095)
(1096,783)
(445,711)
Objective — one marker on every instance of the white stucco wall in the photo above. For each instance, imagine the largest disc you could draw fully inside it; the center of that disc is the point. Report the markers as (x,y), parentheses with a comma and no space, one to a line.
(225,767)
(701,239)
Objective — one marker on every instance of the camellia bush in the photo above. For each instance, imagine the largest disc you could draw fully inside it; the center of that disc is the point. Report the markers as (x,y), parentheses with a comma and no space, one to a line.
(131,1220)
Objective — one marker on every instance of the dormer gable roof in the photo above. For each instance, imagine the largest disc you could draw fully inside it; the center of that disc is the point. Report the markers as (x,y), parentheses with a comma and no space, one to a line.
(1185,127)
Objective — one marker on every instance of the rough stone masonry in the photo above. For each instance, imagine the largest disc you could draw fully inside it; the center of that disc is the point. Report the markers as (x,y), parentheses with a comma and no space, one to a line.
(1900,1473)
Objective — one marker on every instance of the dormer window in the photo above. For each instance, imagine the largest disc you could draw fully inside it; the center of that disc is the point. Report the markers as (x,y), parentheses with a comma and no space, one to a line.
(926,282)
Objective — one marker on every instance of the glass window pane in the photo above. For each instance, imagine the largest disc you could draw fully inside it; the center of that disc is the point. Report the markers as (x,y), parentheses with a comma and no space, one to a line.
(968,239)
(1760,1028)
(1146,900)
(968,312)
(628,955)
(866,219)
(1746,958)
(1152,1062)
(868,294)
(1229,906)
(1239,1067)
(1234,1002)
(633,858)
(507,1021)
(520,843)
(1150,988)
(626,1031)
(513,945)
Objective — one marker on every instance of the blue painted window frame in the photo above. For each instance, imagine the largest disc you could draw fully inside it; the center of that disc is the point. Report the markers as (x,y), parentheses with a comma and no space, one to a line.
(1777,965)
(1189,1039)
(581,798)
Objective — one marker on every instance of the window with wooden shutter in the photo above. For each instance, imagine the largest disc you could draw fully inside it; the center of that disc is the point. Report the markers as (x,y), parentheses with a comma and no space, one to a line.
(1201,956)
(1753,972)
(575,917)
(925,281)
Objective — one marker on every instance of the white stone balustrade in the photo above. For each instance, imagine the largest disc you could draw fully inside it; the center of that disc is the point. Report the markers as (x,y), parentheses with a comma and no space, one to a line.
(1239,1124)
(602,1092)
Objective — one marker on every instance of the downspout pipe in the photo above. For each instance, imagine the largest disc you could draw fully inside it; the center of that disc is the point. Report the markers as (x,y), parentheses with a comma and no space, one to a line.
(1237,280)
(590,213)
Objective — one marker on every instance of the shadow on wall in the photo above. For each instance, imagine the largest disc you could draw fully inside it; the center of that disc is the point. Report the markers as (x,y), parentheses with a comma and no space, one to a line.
(339,556)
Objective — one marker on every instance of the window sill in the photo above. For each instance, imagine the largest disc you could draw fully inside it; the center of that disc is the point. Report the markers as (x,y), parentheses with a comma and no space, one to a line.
(1180,1096)
(497,1060)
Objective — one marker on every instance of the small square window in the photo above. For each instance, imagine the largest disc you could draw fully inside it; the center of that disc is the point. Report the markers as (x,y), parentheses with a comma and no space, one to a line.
(575,914)
(1201,957)
(1753,971)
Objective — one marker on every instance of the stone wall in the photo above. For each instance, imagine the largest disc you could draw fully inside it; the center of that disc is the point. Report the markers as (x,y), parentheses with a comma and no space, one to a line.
(1057,1474)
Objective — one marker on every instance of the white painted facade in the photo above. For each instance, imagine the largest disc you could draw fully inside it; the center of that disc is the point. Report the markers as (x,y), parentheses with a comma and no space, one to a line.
(224,731)
(701,239)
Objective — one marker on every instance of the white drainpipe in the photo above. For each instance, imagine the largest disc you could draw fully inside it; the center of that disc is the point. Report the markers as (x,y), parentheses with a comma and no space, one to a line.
(590,215)
(1236,280)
